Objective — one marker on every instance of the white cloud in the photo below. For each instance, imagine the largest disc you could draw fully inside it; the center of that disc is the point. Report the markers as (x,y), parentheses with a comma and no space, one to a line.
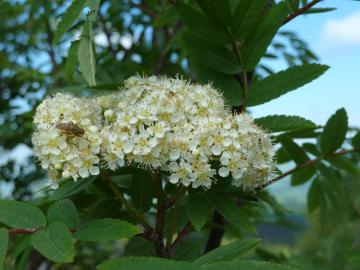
(343,32)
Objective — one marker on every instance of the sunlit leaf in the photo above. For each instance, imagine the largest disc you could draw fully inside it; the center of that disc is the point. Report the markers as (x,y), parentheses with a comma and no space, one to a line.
(21,215)
(282,82)
(63,211)
(276,123)
(255,46)
(105,230)
(227,252)
(55,243)
(71,61)
(86,54)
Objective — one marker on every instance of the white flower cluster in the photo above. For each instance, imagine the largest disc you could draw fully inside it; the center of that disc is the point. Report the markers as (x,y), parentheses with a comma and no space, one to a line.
(165,124)
(59,150)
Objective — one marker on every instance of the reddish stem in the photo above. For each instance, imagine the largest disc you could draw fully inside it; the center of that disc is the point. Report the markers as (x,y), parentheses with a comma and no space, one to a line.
(301,11)
(13,232)
(307,164)
(180,237)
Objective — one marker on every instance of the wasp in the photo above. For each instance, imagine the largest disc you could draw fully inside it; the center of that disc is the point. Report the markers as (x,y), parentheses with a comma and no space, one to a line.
(70,129)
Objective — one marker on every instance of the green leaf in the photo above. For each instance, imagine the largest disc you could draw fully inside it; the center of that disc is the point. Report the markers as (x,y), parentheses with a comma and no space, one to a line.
(86,55)
(21,215)
(255,46)
(282,156)
(71,61)
(302,176)
(319,10)
(247,15)
(68,19)
(228,252)
(197,210)
(219,59)
(139,246)
(166,17)
(189,250)
(54,243)
(246,265)
(4,241)
(294,151)
(20,246)
(141,190)
(328,193)
(213,56)
(228,85)
(345,164)
(293,4)
(282,82)
(276,123)
(268,198)
(23,259)
(311,148)
(219,11)
(330,182)
(314,196)
(106,229)
(94,9)
(63,211)
(70,188)
(334,132)
(234,214)
(302,133)
(148,263)
(203,29)
(355,141)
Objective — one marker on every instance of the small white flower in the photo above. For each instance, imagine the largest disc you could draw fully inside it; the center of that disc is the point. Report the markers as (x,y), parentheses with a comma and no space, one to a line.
(224,172)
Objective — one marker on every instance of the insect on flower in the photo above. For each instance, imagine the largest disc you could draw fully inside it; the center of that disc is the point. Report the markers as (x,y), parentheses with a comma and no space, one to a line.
(71,129)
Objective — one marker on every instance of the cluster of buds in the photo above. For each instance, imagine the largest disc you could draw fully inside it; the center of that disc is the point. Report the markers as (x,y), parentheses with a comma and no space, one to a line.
(163,124)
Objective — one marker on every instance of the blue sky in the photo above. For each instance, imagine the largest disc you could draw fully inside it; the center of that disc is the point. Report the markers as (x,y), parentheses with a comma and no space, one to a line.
(335,38)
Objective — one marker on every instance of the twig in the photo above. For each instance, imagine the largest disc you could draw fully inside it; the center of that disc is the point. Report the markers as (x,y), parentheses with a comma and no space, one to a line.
(216,233)
(301,11)
(179,238)
(245,89)
(307,164)
(51,52)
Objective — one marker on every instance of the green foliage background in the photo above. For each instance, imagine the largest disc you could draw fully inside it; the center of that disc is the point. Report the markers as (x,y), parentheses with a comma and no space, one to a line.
(88,47)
